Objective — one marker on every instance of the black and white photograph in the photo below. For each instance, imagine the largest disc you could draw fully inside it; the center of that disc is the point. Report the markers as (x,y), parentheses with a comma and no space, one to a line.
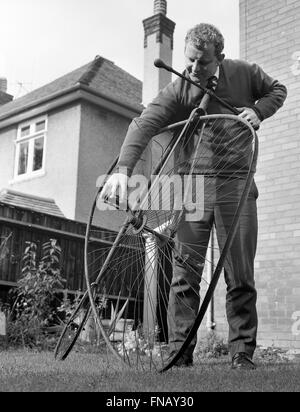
(149,199)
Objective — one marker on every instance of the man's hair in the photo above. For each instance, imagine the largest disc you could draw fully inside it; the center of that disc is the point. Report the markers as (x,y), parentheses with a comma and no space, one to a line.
(202,34)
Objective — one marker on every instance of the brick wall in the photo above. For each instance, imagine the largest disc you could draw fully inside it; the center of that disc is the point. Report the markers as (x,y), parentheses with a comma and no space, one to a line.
(270,36)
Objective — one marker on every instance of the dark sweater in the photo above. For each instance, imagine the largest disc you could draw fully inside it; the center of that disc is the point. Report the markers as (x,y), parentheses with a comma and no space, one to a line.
(241,84)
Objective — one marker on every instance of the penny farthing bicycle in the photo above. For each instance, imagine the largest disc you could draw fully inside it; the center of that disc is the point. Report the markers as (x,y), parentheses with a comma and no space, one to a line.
(129,266)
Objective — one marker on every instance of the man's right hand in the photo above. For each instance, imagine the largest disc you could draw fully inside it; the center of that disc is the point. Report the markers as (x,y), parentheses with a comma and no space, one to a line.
(116,185)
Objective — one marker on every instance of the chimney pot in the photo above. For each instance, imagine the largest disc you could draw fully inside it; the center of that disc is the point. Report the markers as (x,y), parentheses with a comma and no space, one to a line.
(160,6)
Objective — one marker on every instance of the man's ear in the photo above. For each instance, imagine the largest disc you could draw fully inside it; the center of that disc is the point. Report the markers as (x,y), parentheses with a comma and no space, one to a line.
(221,58)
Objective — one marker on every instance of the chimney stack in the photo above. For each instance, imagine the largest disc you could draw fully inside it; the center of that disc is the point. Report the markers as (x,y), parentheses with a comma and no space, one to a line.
(158,43)
(4,97)
(3,84)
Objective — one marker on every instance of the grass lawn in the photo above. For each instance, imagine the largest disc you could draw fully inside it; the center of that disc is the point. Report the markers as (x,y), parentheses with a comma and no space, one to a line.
(25,371)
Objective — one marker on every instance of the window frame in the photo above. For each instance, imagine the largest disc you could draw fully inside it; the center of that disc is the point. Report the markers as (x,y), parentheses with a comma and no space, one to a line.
(30,138)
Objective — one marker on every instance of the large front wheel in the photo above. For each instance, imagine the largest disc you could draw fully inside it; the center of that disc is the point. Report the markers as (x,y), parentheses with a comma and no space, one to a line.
(134,263)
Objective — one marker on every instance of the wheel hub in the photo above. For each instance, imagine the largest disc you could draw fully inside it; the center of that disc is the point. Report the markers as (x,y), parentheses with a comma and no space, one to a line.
(138,223)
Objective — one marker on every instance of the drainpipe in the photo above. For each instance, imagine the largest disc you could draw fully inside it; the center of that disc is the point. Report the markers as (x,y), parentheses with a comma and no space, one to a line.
(210,322)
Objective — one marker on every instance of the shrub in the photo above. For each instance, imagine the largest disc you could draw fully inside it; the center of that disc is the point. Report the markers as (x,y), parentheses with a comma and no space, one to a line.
(34,310)
(4,249)
(68,305)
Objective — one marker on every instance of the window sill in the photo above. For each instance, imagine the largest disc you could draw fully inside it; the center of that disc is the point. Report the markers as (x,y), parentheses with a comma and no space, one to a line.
(27,177)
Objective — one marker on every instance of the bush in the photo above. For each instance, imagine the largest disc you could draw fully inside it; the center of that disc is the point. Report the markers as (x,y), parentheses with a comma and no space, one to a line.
(68,305)
(34,310)
(4,249)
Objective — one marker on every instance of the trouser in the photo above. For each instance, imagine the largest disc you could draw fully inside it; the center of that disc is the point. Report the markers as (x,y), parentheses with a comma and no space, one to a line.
(189,255)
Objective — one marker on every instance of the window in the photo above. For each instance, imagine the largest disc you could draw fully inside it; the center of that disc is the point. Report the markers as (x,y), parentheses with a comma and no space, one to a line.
(30,149)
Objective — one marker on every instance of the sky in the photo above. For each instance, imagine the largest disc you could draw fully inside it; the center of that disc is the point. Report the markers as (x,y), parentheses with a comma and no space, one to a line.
(42,40)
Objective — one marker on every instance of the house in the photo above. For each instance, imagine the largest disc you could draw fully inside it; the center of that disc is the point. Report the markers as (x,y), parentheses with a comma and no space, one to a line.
(54,143)
(57,140)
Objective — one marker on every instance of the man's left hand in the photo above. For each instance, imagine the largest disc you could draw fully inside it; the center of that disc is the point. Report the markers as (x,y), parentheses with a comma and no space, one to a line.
(249,115)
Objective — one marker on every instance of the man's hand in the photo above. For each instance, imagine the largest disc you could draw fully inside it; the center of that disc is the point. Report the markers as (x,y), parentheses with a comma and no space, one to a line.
(116,185)
(249,115)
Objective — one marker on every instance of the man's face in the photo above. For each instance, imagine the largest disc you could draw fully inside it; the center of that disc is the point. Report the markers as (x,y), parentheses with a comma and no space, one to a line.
(201,64)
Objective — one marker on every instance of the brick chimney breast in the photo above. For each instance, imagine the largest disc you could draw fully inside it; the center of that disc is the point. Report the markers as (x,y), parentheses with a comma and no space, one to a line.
(160,25)
(158,43)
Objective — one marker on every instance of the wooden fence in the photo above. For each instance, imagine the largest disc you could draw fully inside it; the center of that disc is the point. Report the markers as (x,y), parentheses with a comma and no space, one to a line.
(18,226)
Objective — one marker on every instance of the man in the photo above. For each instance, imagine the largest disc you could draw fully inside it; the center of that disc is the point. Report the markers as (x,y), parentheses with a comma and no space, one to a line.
(257,96)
